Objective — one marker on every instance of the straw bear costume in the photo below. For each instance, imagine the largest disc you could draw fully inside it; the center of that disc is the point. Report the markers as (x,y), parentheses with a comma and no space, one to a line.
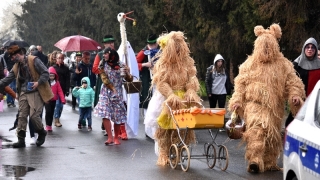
(265,82)
(175,78)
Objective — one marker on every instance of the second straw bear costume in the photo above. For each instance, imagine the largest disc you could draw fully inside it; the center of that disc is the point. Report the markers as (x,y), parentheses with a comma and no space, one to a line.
(265,82)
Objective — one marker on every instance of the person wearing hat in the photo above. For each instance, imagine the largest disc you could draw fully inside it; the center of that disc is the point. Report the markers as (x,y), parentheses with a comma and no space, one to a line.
(33,91)
(144,58)
(73,83)
(108,41)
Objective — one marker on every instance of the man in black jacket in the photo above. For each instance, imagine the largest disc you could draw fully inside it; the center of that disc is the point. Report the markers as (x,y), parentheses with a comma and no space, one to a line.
(85,70)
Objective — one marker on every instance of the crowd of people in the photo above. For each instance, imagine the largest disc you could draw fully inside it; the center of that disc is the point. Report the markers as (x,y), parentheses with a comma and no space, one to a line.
(43,82)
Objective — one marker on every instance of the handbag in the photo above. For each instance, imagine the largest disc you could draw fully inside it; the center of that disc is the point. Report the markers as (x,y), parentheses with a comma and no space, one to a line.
(235,126)
(133,87)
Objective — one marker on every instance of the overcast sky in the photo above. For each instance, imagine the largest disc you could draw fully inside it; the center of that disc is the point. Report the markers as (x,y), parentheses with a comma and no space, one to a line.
(4,4)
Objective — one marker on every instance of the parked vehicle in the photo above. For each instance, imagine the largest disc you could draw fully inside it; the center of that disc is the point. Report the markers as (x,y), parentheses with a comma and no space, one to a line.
(302,141)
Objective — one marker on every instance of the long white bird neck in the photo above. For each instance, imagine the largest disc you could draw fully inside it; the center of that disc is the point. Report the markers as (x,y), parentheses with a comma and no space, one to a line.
(123,34)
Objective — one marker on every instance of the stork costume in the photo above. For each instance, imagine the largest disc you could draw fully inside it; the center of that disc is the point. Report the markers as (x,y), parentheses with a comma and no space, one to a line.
(128,57)
(174,76)
(265,82)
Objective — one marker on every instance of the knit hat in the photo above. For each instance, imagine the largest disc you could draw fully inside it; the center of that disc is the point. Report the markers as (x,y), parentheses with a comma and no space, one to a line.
(108,39)
(152,38)
(79,54)
(13,49)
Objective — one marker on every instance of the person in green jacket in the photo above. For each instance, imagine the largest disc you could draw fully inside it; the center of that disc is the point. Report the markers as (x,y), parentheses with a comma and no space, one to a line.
(86,95)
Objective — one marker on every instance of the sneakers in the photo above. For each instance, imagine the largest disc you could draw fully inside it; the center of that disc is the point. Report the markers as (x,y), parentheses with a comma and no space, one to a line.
(79,127)
(73,107)
(49,128)
(10,105)
(89,128)
(33,141)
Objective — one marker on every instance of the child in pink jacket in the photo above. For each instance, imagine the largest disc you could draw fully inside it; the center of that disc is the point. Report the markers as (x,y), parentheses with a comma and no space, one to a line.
(58,93)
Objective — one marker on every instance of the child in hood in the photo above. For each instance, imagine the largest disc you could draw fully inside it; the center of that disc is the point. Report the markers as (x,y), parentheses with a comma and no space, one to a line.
(58,93)
(86,95)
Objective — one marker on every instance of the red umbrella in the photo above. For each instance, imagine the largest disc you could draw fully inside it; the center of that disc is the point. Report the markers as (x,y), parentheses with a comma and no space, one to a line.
(77,43)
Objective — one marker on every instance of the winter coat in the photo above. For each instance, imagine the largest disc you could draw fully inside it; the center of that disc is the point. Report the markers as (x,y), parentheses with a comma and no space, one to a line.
(56,88)
(86,71)
(209,80)
(86,95)
(72,69)
(64,76)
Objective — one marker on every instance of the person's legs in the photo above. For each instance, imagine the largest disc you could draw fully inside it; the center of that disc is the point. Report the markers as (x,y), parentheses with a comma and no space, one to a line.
(107,126)
(22,121)
(57,113)
(31,128)
(214,100)
(222,100)
(81,116)
(89,118)
(74,101)
(116,128)
(36,106)
(50,106)
(211,101)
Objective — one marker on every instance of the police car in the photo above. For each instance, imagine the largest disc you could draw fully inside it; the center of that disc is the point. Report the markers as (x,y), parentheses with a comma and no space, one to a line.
(301,159)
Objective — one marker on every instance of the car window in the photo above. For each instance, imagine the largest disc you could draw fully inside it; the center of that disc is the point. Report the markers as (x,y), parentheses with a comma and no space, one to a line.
(302,112)
(317,110)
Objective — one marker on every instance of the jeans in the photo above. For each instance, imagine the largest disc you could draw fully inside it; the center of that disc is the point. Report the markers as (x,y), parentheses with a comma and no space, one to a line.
(58,109)
(12,85)
(85,113)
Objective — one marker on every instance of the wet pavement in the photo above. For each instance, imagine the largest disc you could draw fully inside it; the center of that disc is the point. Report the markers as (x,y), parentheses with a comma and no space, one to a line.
(72,154)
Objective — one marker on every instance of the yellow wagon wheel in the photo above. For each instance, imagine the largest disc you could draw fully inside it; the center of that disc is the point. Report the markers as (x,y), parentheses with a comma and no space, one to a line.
(173,156)
(211,156)
(185,158)
(223,157)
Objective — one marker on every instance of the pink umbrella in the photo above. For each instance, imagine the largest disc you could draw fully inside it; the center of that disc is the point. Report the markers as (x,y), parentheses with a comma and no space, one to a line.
(77,43)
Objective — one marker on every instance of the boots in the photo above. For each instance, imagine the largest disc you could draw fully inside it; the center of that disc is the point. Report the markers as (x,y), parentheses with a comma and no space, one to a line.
(42,137)
(57,122)
(21,142)
(116,128)
(107,126)
(123,132)
(253,167)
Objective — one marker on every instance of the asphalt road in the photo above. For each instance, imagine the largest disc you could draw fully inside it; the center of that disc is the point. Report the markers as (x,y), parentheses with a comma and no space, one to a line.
(72,154)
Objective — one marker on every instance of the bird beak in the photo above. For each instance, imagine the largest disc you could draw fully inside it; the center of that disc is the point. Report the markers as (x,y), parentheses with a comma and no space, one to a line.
(125,15)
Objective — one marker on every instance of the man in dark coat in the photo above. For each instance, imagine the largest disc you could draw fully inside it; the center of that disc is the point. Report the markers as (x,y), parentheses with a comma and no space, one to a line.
(84,69)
